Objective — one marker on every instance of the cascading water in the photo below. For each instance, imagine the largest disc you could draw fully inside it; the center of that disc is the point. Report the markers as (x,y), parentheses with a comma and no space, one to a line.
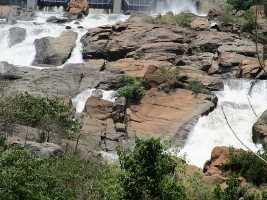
(23,53)
(80,100)
(177,7)
(212,130)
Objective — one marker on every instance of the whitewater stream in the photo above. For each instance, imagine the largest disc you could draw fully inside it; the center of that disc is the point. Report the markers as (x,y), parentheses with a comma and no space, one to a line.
(23,53)
(210,131)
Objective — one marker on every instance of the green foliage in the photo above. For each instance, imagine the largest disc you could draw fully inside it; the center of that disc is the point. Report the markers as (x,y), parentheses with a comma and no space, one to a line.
(182,19)
(241,4)
(249,166)
(149,173)
(131,88)
(233,191)
(42,112)
(195,187)
(197,87)
(248,21)
(25,176)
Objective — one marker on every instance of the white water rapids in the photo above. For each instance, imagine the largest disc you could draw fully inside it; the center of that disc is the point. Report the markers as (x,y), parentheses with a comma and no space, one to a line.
(212,130)
(23,53)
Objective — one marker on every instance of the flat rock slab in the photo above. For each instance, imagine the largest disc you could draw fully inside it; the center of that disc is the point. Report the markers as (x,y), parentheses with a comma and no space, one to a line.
(162,115)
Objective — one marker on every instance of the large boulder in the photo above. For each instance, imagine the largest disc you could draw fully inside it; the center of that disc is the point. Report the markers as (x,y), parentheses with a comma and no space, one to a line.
(219,158)
(54,51)
(259,130)
(250,68)
(162,115)
(16,35)
(77,7)
(41,149)
(66,82)
(99,108)
(137,38)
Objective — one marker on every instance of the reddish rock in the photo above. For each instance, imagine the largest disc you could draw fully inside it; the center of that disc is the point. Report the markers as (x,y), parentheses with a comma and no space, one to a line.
(249,68)
(99,108)
(200,23)
(259,130)
(78,7)
(161,114)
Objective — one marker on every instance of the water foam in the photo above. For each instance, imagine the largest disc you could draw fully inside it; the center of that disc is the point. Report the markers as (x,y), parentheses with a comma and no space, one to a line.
(212,130)
(23,53)
(80,100)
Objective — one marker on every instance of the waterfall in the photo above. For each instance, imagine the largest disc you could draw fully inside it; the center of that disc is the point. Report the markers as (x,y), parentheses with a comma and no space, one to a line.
(177,7)
(23,53)
(212,130)
(80,100)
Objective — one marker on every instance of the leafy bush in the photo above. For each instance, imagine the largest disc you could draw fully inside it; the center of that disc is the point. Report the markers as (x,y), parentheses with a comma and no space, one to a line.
(149,173)
(197,87)
(249,166)
(233,191)
(182,19)
(42,112)
(241,4)
(25,176)
(131,88)
(248,21)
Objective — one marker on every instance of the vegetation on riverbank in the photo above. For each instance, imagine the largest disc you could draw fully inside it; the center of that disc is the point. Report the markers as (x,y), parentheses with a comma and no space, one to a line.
(145,173)
(48,114)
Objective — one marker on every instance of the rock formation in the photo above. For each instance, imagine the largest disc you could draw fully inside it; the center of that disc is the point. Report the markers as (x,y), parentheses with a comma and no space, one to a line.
(259,130)
(78,7)
(54,51)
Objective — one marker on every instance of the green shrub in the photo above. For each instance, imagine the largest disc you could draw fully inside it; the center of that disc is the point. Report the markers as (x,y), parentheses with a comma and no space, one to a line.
(248,21)
(197,87)
(131,88)
(149,173)
(249,166)
(182,19)
(233,191)
(42,112)
(25,176)
(241,4)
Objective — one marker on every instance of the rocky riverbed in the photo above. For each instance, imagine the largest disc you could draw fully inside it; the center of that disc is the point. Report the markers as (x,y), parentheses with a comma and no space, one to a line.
(184,69)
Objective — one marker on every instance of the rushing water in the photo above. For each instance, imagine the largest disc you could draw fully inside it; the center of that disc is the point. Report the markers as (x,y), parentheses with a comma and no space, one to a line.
(23,53)
(212,130)
(80,100)
(178,6)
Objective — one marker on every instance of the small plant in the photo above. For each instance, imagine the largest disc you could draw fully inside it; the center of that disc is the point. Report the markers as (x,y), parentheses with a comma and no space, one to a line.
(248,21)
(197,87)
(182,19)
(131,88)
(241,4)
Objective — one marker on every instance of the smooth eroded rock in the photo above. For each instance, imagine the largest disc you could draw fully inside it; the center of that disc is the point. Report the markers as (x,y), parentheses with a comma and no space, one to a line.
(54,51)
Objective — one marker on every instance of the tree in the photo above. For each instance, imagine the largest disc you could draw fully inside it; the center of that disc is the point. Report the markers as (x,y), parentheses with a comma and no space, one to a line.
(149,173)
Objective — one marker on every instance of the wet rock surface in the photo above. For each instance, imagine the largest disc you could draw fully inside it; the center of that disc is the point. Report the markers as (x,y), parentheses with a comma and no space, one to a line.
(16,35)
(54,51)
(259,130)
